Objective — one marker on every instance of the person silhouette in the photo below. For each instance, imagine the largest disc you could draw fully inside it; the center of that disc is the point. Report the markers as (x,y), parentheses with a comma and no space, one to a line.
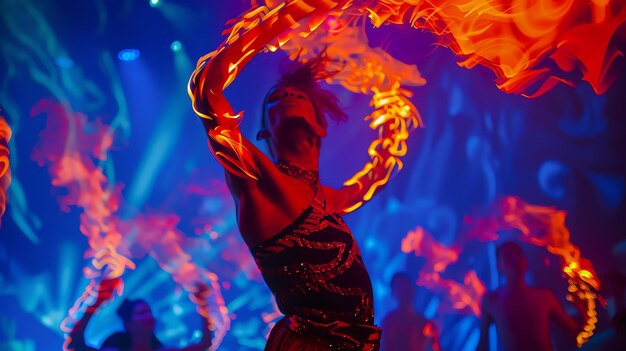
(521,314)
(139,324)
(403,326)
(290,221)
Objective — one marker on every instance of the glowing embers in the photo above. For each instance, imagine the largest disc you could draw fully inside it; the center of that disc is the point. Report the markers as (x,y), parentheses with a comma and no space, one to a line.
(438,257)
(545,226)
(5,169)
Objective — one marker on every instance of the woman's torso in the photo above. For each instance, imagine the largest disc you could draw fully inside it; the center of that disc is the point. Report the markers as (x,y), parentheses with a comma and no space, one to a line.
(315,270)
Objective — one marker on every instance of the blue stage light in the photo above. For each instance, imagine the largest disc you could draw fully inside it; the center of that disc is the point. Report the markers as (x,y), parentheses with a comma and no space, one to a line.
(64,62)
(154,3)
(176,46)
(128,55)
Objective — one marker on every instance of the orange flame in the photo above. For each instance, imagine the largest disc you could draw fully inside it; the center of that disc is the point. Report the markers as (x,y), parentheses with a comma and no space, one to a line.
(69,150)
(532,219)
(515,38)
(293,26)
(5,169)
(438,258)
(157,235)
(249,35)
(545,226)
(369,71)
(524,42)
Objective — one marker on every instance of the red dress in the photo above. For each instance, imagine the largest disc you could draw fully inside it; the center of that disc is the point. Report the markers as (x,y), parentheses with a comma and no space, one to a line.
(315,271)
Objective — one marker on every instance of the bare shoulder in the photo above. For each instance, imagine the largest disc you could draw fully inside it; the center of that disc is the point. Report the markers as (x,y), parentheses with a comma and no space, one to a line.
(240,186)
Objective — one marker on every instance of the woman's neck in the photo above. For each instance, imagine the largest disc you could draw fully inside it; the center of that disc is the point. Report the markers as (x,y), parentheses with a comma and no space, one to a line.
(303,154)
(310,177)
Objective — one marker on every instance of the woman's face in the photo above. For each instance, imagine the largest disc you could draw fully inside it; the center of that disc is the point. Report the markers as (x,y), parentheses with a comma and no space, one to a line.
(142,317)
(286,105)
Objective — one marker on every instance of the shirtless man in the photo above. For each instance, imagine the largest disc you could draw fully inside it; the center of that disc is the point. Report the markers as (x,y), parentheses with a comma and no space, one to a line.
(522,314)
(403,326)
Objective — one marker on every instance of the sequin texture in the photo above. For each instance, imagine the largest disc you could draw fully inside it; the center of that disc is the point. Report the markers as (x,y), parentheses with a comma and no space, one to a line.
(315,270)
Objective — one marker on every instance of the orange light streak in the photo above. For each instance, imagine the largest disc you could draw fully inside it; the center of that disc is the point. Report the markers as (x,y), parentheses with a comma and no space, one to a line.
(5,166)
(545,226)
(438,257)
(369,71)
(216,71)
(294,27)
(513,38)
(516,39)
(69,150)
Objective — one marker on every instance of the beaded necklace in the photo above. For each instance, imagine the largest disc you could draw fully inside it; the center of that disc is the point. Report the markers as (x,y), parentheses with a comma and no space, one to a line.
(311,177)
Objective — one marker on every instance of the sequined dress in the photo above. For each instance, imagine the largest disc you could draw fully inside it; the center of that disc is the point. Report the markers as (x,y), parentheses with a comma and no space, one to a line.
(315,271)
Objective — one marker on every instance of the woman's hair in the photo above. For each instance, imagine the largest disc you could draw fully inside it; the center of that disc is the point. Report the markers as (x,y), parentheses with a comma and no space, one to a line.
(306,77)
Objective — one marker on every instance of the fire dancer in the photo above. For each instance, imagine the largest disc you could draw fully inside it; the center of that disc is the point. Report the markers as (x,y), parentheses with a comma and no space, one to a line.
(289,220)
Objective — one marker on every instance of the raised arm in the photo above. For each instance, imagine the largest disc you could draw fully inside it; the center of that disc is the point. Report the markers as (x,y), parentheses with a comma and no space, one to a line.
(77,334)
(215,71)
(105,291)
